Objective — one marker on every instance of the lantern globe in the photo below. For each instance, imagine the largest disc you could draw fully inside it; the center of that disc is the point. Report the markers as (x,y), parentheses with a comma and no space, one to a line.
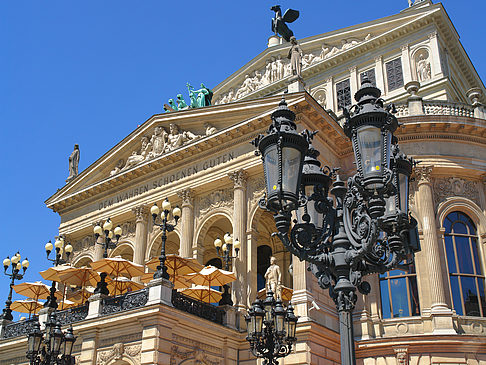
(154,210)
(97,229)
(15,259)
(218,243)
(107,226)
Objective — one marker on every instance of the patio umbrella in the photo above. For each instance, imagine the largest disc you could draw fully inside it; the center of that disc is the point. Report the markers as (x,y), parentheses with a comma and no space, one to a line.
(179,281)
(286,293)
(122,284)
(37,290)
(203,293)
(79,296)
(66,304)
(176,265)
(79,276)
(52,273)
(211,276)
(117,266)
(27,306)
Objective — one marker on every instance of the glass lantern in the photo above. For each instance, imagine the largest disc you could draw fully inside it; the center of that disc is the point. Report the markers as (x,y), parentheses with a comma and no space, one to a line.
(291,322)
(257,314)
(34,340)
(268,304)
(279,317)
(69,340)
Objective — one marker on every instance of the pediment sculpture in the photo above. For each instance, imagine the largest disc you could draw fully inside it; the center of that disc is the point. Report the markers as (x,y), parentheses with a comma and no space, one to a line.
(199,98)
(159,143)
(277,68)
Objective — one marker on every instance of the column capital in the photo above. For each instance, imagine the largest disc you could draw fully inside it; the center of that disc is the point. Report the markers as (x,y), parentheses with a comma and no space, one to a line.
(423,174)
(433,35)
(239,178)
(141,213)
(378,59)
(352,69)
(187,197)
(329,80)
(405,47)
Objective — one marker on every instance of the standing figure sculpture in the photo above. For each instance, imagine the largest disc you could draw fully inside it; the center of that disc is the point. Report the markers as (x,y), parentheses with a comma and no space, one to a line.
(295,56)
(73,164)
(278,23)
(423,68)
(273,278)
(201,97)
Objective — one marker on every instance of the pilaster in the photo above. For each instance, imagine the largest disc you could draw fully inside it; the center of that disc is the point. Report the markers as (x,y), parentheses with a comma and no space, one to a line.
(353,80)
(435,59)
(88,347)
(240,209)
(187,222)
(141,219)
(379,76)
(330,94)
(407,69)
(98,248)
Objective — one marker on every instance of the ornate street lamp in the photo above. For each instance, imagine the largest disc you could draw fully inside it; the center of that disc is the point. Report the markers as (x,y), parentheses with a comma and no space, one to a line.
(14,274)
(164,227)
(366,228)
(45,348)
(60,246)
(108,242)
(227,249)
(271,329)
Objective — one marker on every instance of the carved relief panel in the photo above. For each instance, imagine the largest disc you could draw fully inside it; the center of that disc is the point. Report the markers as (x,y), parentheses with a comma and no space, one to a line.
(454,186)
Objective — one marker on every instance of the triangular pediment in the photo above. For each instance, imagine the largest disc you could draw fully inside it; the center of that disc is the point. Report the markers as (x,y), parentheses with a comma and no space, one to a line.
(268,73)
(156,146)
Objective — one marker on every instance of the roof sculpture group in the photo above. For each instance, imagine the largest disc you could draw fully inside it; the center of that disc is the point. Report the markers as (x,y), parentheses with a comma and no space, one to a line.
(199,98)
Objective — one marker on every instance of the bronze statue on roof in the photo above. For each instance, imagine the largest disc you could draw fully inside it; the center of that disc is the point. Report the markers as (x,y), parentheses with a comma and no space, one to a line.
(278,23)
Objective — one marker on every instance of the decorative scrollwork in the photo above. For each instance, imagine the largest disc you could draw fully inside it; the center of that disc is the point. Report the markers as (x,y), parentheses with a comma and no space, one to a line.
(198,308)
(20,328)
(72,315)
(125,302)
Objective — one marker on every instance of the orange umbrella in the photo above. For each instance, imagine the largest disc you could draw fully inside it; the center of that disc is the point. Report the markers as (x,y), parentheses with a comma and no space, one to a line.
(79,276)
(52,273)
(27,306)
(122,284)
(176,265)
(116,266)
(211,276)
(79,296)
(65,304)
(37,290)
(203,293)
(286,293)
(179,281)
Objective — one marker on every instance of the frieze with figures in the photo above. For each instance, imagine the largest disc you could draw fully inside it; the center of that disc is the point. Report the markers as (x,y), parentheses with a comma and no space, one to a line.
(278,68)
(454,186)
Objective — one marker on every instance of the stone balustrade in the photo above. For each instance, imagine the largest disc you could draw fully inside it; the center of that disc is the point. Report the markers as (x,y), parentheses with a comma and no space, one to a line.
(439,107)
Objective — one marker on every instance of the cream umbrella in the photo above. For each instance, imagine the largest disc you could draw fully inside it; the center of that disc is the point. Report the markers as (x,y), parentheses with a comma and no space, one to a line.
(203,293)
(179,281)
(27,306)
(117,266)
(80,295)
(211,276)
(176,265)
(123,284)
(52,273)
(36,290)
(286,293)
(79,276)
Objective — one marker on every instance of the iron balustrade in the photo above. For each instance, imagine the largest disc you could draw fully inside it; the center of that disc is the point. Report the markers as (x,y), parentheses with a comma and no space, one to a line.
(198,308)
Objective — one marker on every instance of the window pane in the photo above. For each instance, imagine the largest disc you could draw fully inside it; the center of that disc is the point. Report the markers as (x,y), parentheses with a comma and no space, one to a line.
(459,228)
(470,296)
(291,159)
(451,259)
(343,91)
(271,169)
(482,295)
(414,296)
(464,255)
(447,225)
(456,295)
(370,145)
(476,256)
(385,299)
(394,74)
(399,297)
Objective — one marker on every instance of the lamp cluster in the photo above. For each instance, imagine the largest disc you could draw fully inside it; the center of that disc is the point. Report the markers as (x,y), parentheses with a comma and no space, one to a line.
(366,228)
(224,251)
(60,246)
(165,227)
(15,266)
(271,329)
(106,229)
(45,347)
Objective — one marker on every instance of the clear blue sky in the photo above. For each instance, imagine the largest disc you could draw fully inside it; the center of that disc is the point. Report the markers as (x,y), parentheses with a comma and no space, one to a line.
(89,72)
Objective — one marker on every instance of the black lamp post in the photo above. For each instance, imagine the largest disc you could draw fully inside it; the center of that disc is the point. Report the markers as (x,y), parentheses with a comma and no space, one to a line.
(164,227)
(45,348)
(226,249)
(271,329)
(14,274)
(108,242)
(366,229)
(60,247)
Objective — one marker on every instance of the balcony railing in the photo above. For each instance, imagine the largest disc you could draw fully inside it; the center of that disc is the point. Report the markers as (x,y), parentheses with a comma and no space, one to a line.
(71,315)
(438,107)
(20,328)
(197,308)
(124,302)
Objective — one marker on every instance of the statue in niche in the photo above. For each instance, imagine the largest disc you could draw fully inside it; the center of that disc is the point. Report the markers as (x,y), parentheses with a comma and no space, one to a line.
(158,142)
(209,129)
(119,165)
(73,163)
(273,278)
(295,56)
(176,139)
(423,68)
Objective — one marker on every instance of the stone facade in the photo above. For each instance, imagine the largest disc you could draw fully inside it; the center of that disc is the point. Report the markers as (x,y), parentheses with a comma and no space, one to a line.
(217,181)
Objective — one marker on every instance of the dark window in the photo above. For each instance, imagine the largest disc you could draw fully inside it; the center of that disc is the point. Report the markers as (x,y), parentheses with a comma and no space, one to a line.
(394,74)
(465,275)
(264,253)
(343,91)
(399,293)
(371,76)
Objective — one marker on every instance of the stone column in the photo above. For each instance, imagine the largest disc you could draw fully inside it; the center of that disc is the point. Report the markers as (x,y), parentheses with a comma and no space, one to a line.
(98,248)
(441,314)
(380,79)
(141,218)
(353,80)
(251,277)
(239,287)
(187,222)
(407,69)
(330,94)
(436,69)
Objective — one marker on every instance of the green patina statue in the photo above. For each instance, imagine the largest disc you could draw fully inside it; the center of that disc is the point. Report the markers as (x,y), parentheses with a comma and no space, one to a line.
(199,98)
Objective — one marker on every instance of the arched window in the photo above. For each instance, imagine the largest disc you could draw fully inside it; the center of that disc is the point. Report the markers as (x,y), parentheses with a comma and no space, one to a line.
(264,253)
(465,275)
(399,294)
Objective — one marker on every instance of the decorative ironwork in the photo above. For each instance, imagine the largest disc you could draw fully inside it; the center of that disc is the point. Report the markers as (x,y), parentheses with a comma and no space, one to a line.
(20,328)
(124,302)
(198,308)
(72,315)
